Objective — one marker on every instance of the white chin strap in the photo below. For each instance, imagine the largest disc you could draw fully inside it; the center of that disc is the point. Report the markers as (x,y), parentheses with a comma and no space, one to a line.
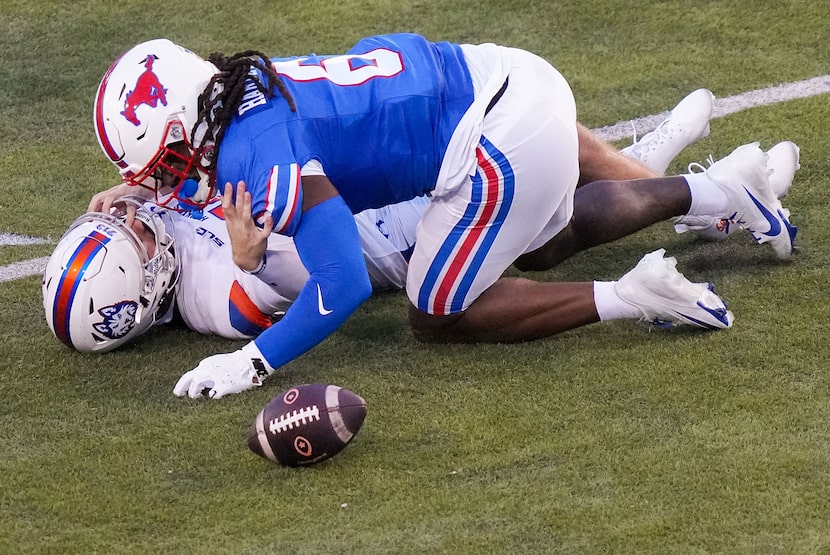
(195,191)
(203,189)
(203,185)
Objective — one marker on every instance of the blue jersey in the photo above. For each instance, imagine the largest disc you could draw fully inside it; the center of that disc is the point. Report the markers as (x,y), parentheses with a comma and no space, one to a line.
(378,119)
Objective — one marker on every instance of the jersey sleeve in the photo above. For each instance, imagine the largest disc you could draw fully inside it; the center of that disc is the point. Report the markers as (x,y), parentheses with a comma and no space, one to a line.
(329,247)
(261,153)
(281,195)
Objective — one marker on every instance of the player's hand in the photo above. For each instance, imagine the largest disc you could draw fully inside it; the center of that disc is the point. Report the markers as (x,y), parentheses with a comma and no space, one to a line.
(103,201)
(220,375)
(248,241)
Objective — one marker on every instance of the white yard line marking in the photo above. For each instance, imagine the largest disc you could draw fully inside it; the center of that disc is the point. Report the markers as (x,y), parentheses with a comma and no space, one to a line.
(621,130)
(13,239)
(725,106)
(23,269)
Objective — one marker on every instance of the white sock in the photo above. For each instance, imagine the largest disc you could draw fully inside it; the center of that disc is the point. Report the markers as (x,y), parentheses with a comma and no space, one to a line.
(707,198)
(610,306)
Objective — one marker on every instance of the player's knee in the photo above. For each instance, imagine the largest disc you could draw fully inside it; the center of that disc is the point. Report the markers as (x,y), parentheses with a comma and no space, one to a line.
(429,328)
(562,246)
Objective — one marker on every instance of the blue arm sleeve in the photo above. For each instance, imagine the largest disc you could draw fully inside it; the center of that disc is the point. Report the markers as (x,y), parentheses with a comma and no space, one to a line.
(329,247)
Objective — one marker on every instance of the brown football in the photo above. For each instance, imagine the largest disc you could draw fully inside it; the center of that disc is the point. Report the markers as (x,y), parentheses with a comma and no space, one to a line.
(306,424)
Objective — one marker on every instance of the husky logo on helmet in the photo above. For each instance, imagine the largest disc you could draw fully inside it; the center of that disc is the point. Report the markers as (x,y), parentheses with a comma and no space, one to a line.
(148,90)
(119,319)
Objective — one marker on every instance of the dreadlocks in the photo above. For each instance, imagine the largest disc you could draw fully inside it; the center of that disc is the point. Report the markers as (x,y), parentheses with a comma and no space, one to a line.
(217,110)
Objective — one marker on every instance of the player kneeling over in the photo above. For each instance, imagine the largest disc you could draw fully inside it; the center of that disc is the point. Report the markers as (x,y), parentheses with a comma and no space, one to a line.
(107,281)
(487,132)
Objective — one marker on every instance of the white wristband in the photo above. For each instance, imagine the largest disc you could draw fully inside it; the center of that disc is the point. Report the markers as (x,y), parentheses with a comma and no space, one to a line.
(259,269)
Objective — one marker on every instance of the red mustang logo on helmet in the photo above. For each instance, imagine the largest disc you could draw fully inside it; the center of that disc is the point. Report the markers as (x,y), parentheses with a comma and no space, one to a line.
(148,90)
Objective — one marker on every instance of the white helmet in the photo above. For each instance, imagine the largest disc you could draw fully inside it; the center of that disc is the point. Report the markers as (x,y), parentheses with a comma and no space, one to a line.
(147,101)
(101,287)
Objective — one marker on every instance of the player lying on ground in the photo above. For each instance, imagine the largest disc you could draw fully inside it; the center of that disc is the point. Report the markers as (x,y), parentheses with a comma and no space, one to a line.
(488,133)
(111,278)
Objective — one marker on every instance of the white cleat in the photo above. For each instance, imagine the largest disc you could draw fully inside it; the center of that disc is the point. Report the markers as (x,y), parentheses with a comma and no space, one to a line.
(667,299)
(782,163)
(687,123)
(746,176)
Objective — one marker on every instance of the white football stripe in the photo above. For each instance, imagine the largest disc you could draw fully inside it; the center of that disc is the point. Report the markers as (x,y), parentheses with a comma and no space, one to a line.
(262,437)
(336,419)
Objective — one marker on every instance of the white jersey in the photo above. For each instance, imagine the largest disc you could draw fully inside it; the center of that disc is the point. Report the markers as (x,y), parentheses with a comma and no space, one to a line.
(215,297)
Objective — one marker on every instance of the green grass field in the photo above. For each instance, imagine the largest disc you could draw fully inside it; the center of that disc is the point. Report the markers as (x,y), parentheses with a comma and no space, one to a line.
(606,439)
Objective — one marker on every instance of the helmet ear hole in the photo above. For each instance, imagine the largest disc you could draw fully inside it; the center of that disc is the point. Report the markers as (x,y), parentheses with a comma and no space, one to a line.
(175,134)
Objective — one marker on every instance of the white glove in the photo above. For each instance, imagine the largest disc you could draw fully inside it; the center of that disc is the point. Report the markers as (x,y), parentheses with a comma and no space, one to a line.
(224,374)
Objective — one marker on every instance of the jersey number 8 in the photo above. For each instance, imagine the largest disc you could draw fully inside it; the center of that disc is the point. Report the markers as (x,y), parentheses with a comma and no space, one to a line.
(348,70)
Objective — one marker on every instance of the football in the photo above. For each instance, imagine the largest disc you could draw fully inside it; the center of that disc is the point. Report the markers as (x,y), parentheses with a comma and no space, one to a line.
(306,424)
